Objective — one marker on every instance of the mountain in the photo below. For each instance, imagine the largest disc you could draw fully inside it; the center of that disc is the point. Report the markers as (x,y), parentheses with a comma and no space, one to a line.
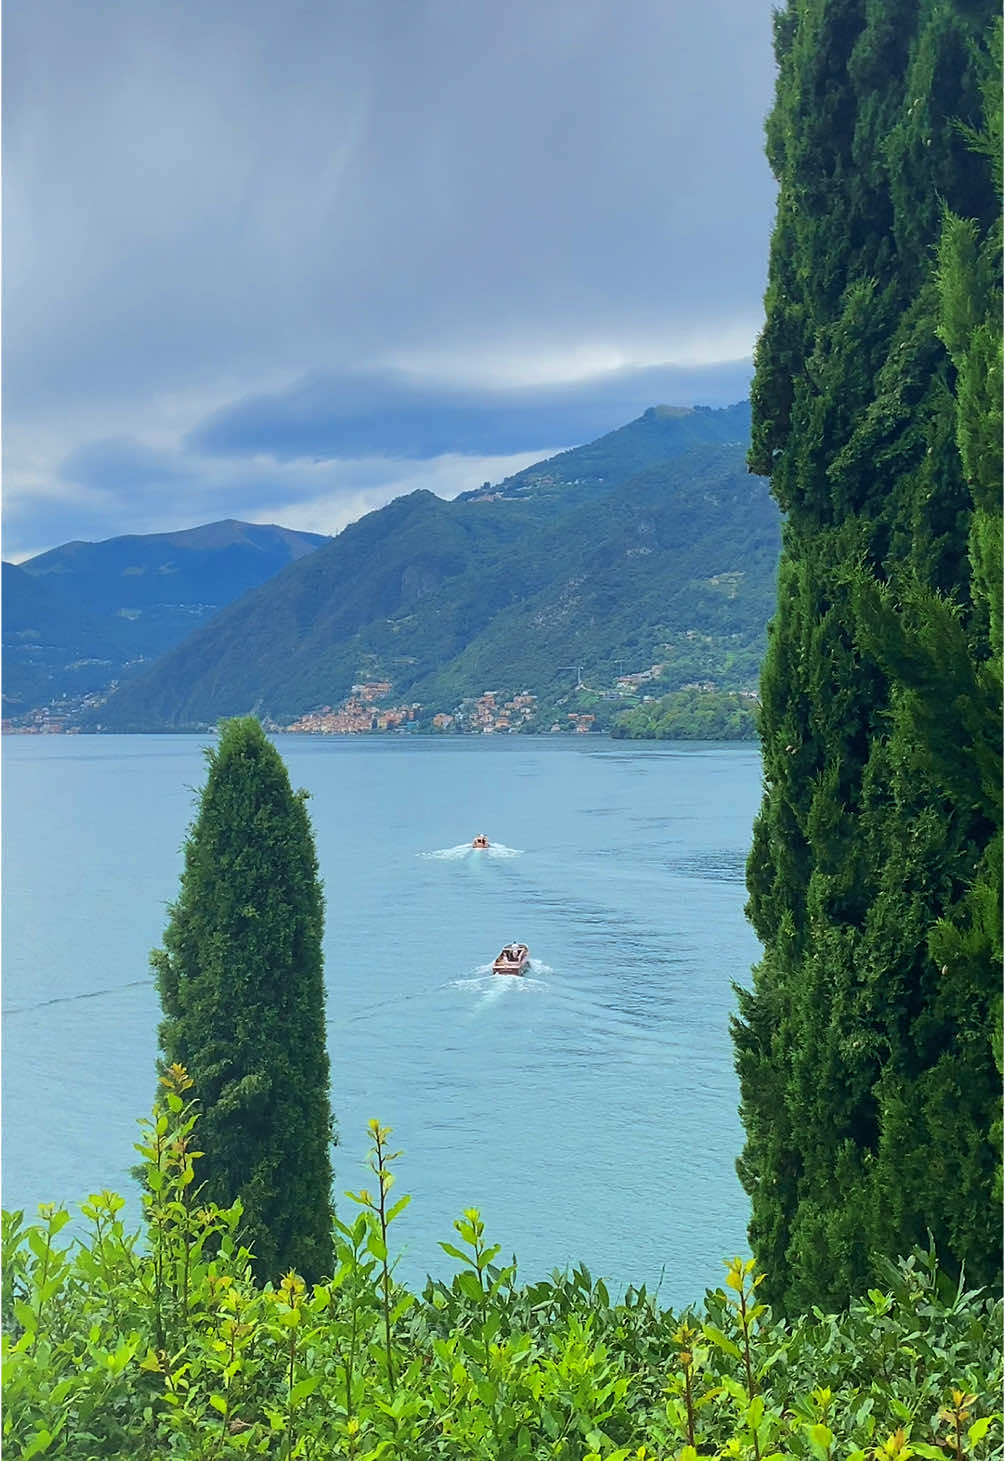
(84,614)
(48,633)
(581,569)
(657,435)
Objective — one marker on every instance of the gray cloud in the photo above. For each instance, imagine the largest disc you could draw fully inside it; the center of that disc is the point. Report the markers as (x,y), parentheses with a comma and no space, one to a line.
(330,415)
(118,463)
(214,202)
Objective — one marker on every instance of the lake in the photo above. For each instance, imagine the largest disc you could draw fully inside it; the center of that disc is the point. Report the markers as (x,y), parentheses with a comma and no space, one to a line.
(588,1110)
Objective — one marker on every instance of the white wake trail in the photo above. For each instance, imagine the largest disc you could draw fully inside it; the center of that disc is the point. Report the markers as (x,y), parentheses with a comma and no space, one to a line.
(464,850)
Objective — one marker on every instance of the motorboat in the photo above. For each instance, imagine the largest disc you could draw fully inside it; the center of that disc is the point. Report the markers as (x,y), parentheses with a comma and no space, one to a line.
(514,959)
(481,841)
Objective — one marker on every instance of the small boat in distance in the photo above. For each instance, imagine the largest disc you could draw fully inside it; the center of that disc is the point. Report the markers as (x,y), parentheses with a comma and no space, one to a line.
(514,959)
(480,841)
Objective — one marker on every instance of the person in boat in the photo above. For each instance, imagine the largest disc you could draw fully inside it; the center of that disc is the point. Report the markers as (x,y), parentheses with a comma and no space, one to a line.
(480,841)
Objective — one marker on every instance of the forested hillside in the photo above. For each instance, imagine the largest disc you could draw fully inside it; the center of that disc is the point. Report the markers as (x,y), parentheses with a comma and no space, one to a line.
(870,1091)
(575,580)
(659,433)
(84,614)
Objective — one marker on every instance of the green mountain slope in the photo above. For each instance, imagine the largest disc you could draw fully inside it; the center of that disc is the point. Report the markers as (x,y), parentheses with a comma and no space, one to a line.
(443,600)
(48,634)
(82,614)
(677,565)
(656,436)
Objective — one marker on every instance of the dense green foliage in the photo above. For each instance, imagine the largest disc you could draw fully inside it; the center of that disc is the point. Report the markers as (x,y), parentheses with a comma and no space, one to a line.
(675,563)
(690,715)
(111,1350)
(869,1087)
(84,614)
(241,985)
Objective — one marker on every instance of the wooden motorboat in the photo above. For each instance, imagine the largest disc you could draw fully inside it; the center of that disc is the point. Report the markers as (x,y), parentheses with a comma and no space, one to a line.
(480,841)
(514,959)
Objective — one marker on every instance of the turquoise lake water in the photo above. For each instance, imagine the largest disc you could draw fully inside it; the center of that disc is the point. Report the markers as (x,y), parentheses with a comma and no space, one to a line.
(588,1110)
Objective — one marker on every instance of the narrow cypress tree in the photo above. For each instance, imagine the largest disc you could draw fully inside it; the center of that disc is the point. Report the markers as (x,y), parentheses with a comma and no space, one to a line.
(241,986)
(868,1085)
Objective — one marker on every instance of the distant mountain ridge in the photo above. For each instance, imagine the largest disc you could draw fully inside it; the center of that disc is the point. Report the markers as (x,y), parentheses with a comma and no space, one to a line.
(83,614)
(209,564)
(586,561)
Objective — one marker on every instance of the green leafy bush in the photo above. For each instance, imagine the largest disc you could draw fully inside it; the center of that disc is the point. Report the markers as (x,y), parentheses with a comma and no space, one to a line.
(168,1348)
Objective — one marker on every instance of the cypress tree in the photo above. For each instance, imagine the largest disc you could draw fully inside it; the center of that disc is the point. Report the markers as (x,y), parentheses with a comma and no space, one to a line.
(868,1082)
(241,986)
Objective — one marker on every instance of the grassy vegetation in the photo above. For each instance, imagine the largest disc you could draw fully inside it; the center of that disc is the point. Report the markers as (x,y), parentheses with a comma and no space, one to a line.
(166,1348)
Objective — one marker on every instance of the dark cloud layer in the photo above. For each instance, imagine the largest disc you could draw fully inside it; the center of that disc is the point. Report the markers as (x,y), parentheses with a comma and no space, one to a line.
(211,203)
(393,413)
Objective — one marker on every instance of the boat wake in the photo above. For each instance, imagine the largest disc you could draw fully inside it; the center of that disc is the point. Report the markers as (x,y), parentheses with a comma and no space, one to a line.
(491,985)
(464,850)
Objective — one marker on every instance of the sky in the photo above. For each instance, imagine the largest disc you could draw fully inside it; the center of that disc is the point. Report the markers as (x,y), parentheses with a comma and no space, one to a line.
(283,260)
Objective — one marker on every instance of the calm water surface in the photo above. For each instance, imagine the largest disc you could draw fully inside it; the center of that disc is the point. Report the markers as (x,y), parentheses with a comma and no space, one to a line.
(589,1110)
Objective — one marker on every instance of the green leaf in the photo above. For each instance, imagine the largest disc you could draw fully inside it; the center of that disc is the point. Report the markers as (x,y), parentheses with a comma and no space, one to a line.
(979,1429)
(398,1207)
(39,1246)
(38,1445)
(469,1285)
(721,1341)
(25,1316)
(821,1438)
(303,1388)
(453,1252)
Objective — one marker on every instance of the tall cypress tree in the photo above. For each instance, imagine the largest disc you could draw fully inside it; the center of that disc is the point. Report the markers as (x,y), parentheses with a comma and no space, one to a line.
(241,986)
(868,1084)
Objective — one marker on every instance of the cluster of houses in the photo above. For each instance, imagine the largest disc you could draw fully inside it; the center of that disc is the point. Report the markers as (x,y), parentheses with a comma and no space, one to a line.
(357,715)
(489,713)
(42,722)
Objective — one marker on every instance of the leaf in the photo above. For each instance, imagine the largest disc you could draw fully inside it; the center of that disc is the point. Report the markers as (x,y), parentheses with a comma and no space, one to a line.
(979,1429)
(38,1245)
(25,1316)
(821,1438)
(468,1283)
(303,1388)
(721,1341)
(38,1445)
(398,1207)
(453,1252)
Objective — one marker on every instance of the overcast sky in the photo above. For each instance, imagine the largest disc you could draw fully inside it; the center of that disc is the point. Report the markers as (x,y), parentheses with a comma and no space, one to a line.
(283,261)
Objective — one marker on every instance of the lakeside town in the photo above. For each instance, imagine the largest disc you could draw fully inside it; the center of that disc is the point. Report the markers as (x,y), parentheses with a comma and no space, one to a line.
(366,711)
